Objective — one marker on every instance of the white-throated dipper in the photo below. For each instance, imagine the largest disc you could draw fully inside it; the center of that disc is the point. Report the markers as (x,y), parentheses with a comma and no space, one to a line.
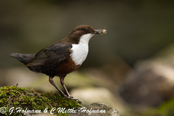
(62,57)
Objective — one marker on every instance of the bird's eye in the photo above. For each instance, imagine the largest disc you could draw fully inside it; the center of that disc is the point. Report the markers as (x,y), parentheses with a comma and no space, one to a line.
(85,29)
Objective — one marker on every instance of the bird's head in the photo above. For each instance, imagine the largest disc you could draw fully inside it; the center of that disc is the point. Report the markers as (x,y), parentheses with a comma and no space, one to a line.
(84,32)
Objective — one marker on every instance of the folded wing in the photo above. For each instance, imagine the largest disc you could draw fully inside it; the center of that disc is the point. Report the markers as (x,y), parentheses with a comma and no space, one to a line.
(55,53)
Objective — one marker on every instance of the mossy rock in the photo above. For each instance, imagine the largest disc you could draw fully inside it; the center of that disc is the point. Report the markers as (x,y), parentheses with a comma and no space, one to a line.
(19,100)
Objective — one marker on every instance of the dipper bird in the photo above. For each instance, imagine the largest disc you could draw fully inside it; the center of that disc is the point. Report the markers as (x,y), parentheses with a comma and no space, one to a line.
(62,57)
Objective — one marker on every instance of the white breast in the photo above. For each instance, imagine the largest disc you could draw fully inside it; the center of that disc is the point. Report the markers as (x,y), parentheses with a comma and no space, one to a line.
(80,50)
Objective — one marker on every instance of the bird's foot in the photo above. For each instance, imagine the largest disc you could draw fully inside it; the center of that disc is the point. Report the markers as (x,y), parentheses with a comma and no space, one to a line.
(71,97)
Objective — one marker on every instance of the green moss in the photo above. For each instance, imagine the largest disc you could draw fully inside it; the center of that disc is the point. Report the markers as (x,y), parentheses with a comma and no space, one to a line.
(166,109)
(16,99)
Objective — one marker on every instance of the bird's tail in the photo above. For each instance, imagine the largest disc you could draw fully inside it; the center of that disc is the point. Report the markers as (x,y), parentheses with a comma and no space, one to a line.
(24,58)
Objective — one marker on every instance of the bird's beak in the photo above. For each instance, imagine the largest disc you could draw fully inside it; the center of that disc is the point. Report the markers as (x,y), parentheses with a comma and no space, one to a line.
(100,31)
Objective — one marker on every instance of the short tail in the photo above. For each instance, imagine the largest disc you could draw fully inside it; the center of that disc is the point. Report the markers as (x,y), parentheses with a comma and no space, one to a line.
(24,58)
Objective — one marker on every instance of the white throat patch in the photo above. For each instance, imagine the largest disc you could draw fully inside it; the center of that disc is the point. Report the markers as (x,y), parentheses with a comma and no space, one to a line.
(80,50)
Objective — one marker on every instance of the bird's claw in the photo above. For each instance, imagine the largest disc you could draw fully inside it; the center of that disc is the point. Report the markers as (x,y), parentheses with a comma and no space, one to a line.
(71,97)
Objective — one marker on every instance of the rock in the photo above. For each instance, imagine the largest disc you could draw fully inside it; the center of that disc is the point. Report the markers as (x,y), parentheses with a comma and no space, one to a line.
(42,114)
(150,84)
(109,111)
(21,101)
(96,109)
(102,95)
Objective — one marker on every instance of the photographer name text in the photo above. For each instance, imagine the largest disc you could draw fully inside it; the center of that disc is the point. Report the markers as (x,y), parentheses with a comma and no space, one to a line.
(53,110)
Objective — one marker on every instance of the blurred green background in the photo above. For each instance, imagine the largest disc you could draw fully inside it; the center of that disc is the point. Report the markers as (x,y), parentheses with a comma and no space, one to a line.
(137,31)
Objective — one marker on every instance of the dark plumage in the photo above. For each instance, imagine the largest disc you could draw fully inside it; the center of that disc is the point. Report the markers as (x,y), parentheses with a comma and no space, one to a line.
(56,59)
(24,58)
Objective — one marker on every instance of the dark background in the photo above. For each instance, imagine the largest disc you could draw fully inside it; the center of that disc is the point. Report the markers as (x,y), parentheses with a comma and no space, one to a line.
(137,31)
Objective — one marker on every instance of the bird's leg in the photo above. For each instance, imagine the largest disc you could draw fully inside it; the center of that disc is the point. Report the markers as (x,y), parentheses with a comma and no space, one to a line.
(62,83)
(52,82)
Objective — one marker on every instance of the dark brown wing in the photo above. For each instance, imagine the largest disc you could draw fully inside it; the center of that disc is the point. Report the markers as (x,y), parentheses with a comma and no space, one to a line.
(56,53)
